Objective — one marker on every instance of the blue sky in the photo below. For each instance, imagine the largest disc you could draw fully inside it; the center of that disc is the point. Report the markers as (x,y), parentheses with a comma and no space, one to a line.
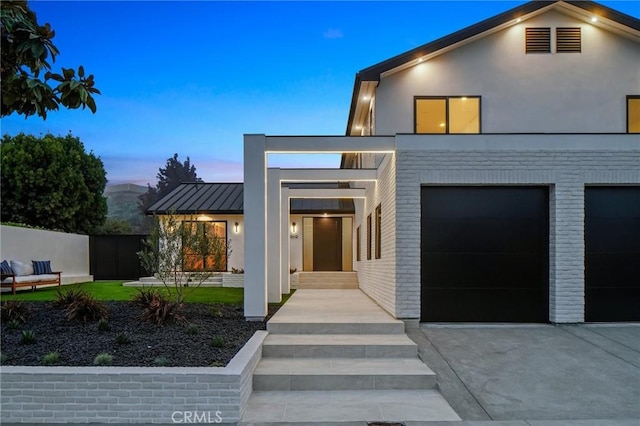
(193,77)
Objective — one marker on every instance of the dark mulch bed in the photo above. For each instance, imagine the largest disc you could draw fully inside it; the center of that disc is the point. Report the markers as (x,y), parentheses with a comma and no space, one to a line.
(79,343)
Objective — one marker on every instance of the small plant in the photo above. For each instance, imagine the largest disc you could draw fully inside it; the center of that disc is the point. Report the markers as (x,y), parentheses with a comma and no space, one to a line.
(216,311)
(192,329)
(162,361)
(15,310)
(237,271)
(13,325)
(85,308)
(156,308)
(122,339)
(3,358)
(103,325)
(28,337)
(103,359)
(64,299)
(217,364)
(51,358)
(217,342)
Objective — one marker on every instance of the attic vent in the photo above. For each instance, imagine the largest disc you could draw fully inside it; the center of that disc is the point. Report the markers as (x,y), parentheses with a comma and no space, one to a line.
(568,40)
(538,40)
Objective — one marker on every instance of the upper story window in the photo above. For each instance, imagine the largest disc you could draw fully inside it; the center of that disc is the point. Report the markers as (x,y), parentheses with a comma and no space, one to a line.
(633,114)
(537,40)
(447,114)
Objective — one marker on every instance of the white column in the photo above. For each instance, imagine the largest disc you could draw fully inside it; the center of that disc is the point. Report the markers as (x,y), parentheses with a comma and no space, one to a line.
(274,291)
(255,247)
(284,241)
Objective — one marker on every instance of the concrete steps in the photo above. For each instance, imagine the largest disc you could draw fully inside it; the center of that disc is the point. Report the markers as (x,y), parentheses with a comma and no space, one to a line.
(327,280)
(334,355)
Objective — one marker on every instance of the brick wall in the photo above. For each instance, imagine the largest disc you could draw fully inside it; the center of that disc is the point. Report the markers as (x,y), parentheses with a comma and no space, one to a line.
(129,394)
(565,163)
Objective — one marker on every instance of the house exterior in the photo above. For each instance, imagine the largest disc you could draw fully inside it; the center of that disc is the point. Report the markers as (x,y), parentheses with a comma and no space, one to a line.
(495,174)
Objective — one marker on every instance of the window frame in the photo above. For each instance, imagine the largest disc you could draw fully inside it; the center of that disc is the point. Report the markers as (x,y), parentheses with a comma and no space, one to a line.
(629,97)
(447,126)
(204,259)
(369,237)
(378,226)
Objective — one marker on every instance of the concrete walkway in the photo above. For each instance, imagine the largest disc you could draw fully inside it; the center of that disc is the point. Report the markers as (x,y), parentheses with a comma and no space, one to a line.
(336,356)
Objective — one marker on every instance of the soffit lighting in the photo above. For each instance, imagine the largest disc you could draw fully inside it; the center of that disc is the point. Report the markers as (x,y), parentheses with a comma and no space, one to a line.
(594,19)
(518,20)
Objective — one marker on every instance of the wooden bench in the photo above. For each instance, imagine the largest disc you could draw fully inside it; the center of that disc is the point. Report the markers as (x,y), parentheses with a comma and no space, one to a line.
(33,281)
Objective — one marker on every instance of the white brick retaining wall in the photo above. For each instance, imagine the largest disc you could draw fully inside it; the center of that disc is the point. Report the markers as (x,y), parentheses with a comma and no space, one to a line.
(130,394)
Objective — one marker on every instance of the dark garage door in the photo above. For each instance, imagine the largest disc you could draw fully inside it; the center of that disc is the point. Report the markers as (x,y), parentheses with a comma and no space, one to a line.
(485,254)
(612,254)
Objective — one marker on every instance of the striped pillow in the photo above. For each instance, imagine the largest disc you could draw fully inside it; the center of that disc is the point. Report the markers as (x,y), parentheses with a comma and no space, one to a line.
(41,267)
(5,268)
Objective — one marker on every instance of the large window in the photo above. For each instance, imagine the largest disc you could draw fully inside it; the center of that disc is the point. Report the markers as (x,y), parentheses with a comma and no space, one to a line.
(452,114)
(378,232)
(633,114)
(207,251)
(369,237)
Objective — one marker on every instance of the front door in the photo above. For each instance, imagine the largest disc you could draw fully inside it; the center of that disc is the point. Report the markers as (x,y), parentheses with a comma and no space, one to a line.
(327,244)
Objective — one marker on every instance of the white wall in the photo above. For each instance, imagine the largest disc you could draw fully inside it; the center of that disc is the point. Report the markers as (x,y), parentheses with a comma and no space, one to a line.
(552,93)
(68,253)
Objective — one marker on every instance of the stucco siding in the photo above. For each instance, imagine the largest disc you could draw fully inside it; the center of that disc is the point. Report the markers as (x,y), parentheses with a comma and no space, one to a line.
(565,163)
(523,93)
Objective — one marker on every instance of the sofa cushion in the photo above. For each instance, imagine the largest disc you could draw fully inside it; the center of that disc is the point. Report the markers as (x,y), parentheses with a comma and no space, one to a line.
(46,277)
(41,267)
(20,268)
(5,268)
(24,279)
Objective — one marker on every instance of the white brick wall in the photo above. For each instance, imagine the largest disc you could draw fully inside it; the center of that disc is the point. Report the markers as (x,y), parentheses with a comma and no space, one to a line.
(128,394)
(566,163)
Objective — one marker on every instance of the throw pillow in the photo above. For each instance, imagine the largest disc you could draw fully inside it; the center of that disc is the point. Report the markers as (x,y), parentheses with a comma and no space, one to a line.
(20,268)
(5,268)
(41,267)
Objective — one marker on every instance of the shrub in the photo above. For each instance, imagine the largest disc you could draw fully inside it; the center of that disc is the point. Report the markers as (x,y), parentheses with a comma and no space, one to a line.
(156,308)
(51,358)
(217,342)
(103,325)
(192,329)
(122,339)
(64,299)
(13,325)
(85,308)
(216,311)
(162,361)
(14,310)
(217,364)
(103,359)
(28,337)
(3,358)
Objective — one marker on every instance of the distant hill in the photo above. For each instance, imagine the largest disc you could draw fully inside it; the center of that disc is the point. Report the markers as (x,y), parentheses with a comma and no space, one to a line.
(122,203)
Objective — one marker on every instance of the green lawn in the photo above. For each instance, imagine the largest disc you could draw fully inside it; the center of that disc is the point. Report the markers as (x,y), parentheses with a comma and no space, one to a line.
(113,290)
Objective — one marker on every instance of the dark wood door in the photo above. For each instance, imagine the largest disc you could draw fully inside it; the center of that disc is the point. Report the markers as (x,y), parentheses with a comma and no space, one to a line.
(327,244)
(485,254)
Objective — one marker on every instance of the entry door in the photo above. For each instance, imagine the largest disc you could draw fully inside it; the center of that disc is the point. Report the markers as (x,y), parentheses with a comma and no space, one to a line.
(327,244)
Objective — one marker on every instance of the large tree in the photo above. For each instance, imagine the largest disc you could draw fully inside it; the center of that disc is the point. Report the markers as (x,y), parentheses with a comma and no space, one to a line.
(173,174)
(27,48)
(51,182)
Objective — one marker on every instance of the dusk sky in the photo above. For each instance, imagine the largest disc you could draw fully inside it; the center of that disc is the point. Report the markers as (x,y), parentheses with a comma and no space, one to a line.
(193,77)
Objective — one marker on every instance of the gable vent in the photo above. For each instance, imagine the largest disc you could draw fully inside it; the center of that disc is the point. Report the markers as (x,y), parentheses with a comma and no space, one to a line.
(568,40)
(538,40)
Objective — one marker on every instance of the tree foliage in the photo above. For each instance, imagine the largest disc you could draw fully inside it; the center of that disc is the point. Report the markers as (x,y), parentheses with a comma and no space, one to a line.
(173,174)
(27,50)
(51,182)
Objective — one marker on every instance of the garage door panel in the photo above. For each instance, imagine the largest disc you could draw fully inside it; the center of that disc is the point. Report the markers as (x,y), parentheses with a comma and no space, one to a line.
(485,305)
(484,254)
(508,270)
(492,235)
(600,266)
(614,304)
(612,234)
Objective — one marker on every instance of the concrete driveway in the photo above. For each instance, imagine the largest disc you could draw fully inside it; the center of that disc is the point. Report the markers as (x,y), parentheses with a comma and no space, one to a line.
(538,372)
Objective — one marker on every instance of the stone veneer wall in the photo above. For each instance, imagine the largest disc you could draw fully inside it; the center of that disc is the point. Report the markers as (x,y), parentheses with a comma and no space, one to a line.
(129,394)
